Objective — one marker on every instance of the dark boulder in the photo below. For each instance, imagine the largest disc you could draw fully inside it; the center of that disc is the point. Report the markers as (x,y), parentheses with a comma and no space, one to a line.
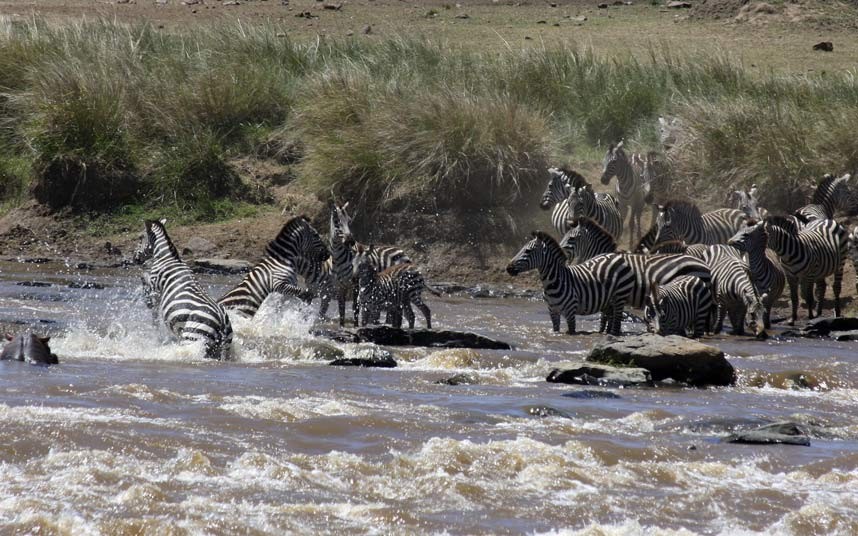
(672,357)
(377,358)
(588,394)
(824,46)
(603,375)
(389,336)
(779,433)
(458,379)
(222,266)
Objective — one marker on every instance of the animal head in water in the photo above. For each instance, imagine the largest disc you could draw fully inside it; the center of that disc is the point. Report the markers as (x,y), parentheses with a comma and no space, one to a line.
(28,347)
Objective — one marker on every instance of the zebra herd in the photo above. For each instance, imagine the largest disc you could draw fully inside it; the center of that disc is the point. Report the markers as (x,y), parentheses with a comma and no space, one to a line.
(691,269)
(376,279)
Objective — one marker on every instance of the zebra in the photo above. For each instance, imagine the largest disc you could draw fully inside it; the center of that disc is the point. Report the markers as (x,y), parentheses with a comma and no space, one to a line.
(319,280)
(171,288)
(654,179)
(735,293)
(602,284)
(584,203)
(808,256)
(828,197)
(343,248)
(747,202)
(392,290)
(684,305)
(683,218)
(853,253)
(765,268)
(587,239)
(630,191)
(560,184)
(277,271)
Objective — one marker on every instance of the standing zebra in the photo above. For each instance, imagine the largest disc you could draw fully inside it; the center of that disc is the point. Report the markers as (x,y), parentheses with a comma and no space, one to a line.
(655,182)
(560,184)
(584,203)
(686,223)
(808,256)
(735,293)
(343,248)
(766,271)
(828,197)
(630,192)
(600,285)
(277,271)
(684,305)
(392,290)
(185,308)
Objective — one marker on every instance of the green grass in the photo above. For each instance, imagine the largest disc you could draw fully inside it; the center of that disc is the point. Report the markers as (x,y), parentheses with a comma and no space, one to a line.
(126,117)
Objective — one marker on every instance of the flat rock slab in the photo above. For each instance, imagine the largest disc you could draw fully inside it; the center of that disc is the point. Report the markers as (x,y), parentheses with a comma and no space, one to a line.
(377,362)
(222,266)
(602,375)
(779,433)
(388,336)
(672,357)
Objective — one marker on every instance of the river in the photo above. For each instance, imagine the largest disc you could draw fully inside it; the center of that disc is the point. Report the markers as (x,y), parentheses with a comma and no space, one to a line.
(132,434)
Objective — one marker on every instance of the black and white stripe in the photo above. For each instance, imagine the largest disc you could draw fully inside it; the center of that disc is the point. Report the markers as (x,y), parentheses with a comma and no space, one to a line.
(393,291)
(343,249)
(556,196)
(600,285)
(277,271)
(170,287)
(808,256)
(763,263)
(587,239)
(830,195)
(630,191)
(735,293)
(602,209)
(685,222)
(680,307)
(319,280)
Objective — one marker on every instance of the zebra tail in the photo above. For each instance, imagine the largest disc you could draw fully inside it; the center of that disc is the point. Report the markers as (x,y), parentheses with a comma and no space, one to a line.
(434,291)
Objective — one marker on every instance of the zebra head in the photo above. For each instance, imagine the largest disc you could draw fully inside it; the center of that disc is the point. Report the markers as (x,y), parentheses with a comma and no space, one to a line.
(154,242)
(745,201)
(340,222)
(613,158)
(557,189)
(539,252)
(652,312)
(580,202)
(570,239)
(362,265)
(756,310)
(752,237)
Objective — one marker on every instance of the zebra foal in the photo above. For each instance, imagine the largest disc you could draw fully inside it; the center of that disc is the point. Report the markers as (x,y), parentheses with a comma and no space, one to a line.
(681,307)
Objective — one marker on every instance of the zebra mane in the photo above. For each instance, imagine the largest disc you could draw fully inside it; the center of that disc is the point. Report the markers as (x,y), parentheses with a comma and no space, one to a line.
(681,203)
(157,224)
(826,188)
(784,223)
(576,180)
(549,240)
(288,228)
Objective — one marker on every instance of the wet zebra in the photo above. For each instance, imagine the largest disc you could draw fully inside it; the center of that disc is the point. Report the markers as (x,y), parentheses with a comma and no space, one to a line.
(600,285)
(808,256)
(830,194)
(630,191)
(584,203)
(587,239)
(319,280)
(392,291)
(277,271)
(171,288)
(343,248)
(680,307)
(685,222)
(735,293)
(765,268)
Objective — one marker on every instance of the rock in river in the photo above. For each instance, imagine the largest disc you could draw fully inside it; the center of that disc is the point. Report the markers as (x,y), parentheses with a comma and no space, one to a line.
(672,357)
(222,266)
(786,433)
(377,358)
(388,336)
(604,375)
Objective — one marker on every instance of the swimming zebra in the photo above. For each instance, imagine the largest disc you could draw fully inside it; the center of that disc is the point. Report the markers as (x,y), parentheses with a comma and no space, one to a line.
(584,203)
(630,191)
(319,280)
(392,291)
(600,285)
(277,271)
(808,256)
(170,287)
(747,202)
(830,194)
(765,268)
(343,248)
(587,239)
(680,307)
(556,196)
(683,218)
(735,293)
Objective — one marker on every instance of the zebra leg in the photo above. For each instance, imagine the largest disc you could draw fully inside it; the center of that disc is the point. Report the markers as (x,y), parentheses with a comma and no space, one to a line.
(604,318)
(341,305)
(324,303)
(555,319)
(355,301)
(570,324)
(719,324)
(837,287)
(807,294)
(793,298)
(820,295)
(737,319)
(395,316)
(409,314)
(427,314)
(617,319)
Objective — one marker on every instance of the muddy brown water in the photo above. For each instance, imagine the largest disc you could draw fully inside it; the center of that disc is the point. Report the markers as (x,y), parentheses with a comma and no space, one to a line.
(132,434)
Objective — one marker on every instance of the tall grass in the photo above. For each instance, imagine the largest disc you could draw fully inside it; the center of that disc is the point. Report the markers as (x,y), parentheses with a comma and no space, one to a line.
(113,115)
